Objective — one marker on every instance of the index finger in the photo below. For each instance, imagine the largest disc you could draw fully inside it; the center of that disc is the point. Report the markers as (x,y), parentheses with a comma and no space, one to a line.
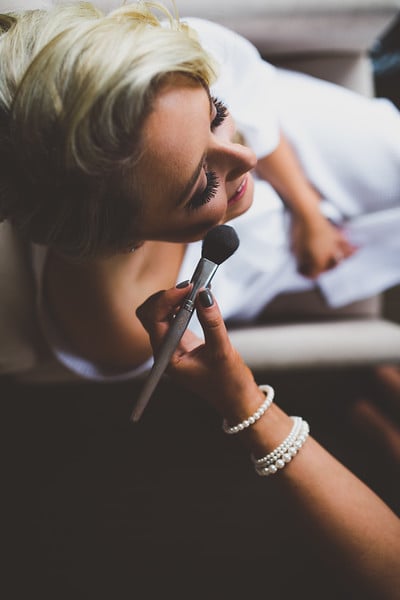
(156,312)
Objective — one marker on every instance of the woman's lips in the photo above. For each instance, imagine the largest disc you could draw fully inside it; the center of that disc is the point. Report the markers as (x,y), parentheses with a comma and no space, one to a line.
(239,192)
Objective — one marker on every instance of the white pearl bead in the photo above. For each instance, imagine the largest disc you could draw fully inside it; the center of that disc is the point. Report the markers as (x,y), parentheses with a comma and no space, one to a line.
(286,457)
(279,463)
(272,469)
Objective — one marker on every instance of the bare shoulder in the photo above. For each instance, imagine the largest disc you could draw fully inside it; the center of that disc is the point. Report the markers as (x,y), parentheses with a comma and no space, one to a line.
(94,305)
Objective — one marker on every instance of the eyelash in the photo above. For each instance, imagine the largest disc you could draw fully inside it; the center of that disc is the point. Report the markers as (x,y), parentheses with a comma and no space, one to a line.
(222,113)
(207,194)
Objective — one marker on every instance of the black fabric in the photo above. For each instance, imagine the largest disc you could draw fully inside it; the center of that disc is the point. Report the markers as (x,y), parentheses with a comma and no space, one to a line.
(96,507)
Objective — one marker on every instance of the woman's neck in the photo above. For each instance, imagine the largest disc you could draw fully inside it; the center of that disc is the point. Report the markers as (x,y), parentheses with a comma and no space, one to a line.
(150,257)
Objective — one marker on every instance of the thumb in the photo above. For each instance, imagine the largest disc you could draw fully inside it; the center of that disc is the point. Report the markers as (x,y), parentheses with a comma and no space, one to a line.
(215,333)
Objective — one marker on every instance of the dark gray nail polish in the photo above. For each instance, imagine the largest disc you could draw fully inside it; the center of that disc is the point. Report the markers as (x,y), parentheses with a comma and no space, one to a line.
(183,284)
(206,298)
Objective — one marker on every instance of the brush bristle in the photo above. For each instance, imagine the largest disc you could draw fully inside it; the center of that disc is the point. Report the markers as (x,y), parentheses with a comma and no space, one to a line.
(220,243)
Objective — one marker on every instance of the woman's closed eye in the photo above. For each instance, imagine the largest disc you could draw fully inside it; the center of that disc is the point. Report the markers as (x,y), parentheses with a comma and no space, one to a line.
(204,196)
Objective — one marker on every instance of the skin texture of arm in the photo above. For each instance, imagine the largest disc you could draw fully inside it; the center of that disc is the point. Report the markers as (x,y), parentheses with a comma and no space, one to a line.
(348,522)
(317,244)
(352,526)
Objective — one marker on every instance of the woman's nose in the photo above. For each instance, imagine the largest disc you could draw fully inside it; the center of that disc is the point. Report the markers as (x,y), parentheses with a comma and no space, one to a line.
(233,159)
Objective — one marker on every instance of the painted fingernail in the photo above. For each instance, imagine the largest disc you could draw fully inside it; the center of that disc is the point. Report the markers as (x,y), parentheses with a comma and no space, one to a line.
(183,284)
(206,298)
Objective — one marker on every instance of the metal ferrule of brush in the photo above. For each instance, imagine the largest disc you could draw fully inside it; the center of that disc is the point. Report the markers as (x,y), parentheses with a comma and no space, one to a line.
(202,277)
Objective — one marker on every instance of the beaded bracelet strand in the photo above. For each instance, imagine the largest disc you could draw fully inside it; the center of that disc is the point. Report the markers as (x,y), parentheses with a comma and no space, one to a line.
(287,442)
(283,454)
(269,396)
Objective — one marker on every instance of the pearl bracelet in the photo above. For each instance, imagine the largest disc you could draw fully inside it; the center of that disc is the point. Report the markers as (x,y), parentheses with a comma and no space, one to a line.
(269,393)
(283,454)
(266,460)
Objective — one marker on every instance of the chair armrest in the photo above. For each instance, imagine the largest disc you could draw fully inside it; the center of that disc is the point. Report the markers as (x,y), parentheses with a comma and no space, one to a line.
(345,344)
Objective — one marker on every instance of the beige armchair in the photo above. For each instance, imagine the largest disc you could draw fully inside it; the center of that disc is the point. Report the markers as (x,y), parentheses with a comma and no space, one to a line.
(330,40)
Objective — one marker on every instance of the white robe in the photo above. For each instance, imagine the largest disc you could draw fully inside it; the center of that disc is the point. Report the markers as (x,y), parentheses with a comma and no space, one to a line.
(349,147)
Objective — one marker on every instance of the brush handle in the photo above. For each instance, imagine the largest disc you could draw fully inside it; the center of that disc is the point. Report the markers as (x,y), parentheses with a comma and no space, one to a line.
(202,277)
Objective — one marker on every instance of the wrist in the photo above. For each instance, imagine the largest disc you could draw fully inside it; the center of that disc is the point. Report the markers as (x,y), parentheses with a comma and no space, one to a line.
(308,213)
(272,437)
(267,432)
(249,402)
(306,205)
(310,222)
(269,393)
(259,423)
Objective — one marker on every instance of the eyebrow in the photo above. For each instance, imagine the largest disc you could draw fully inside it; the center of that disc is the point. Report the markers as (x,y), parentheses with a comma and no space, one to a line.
(189,185)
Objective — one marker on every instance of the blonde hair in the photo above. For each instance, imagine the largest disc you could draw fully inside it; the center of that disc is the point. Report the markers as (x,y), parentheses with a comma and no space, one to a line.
(75,88)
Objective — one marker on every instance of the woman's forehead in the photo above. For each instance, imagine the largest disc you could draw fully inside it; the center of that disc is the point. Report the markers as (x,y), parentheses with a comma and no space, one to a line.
(176,132)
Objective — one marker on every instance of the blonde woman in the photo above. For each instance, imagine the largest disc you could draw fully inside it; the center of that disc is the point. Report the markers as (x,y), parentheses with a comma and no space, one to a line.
(120,150)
